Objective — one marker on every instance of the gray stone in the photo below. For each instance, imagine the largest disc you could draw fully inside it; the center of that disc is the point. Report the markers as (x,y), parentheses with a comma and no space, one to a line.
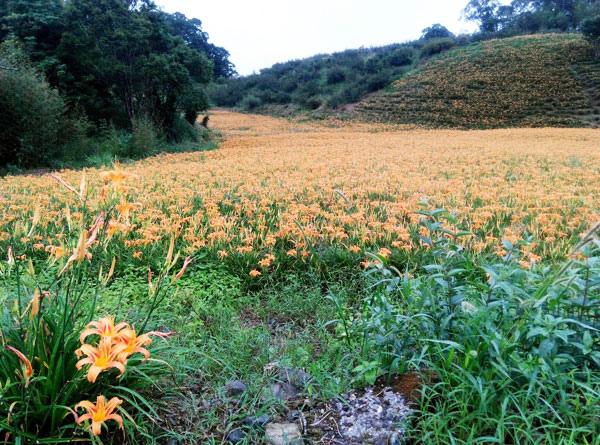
(284,391)
(296,377)
(283,434)
(236,435)
(257,421)
(395,439)
(235,388)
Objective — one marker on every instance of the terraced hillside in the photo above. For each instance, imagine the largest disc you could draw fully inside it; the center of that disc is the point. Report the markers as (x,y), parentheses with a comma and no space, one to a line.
(526,81)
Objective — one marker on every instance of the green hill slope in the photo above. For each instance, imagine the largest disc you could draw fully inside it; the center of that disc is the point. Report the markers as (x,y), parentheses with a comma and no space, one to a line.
(541,80)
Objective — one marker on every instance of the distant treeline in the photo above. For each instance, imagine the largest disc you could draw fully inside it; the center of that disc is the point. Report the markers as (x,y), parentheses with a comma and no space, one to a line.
(334,80)
(75,69)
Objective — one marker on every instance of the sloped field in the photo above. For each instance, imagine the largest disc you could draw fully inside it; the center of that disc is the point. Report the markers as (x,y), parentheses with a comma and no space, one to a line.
(527,81)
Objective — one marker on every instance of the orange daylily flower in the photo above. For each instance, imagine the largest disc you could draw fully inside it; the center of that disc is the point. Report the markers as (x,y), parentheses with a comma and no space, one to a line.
(105,328)
(255,273)
(135,344)
(105,356)
(100,412)
(27,368)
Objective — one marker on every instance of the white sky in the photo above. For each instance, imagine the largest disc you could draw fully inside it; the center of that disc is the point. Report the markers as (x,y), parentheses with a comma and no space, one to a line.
(260,33)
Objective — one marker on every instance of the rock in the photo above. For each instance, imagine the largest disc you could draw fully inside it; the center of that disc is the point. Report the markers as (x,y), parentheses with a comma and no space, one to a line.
(236,435)
(284,391)
(296,377)
(257,421)
(283,434)
(235,388)
(395,439)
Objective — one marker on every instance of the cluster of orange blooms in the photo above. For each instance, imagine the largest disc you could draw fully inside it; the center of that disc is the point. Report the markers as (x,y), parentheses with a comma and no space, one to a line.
(276,189)
(116,344)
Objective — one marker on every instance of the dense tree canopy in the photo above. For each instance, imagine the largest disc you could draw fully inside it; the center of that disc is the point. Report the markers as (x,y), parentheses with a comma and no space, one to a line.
(118,60)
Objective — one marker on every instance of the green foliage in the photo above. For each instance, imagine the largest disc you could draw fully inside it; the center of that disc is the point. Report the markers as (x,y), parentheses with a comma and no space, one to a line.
(436,46)
(590,28)
(436,31)
(325,80)
(144,138)
(529,16)
(108,62)
(34,125)
(507,355)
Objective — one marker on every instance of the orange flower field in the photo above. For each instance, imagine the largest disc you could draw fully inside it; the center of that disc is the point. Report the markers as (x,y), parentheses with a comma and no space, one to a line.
(277,188)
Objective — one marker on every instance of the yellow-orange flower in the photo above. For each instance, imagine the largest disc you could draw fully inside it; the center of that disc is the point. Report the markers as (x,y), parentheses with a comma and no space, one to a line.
(384,252)
(99,413)
(105,356)
(255,273)
(105,328)
(135,344)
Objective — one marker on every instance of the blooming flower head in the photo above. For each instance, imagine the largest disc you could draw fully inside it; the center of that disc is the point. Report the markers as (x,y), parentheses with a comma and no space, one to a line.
(99,413)
(255,273)
(105,328)
(135,344)
(105,356)
(385,252)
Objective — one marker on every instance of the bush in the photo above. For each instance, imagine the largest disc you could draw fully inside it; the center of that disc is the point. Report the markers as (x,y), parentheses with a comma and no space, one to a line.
(335,75)
(436,31)
(144,138)
(509,351)
(32,122)
(401,57)
(436,46)
(250,103)
(590,28)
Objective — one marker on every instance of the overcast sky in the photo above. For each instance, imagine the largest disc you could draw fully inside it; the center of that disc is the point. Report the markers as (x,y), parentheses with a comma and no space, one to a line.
(260,33)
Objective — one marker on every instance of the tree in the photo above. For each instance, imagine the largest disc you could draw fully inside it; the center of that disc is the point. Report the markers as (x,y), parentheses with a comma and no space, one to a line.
(125,63)
(190,30)
(37,24)
(590,28)
(32,122)
(485,13)
(436,31)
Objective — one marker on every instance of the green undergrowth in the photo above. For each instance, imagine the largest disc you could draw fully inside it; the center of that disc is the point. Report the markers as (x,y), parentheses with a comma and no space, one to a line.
(506,354)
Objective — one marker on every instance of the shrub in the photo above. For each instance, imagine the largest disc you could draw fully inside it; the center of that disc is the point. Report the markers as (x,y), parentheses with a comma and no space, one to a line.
(436,46)
(144,138)
(335,75)
(401,57)
(509,350)
(250,103)
(436,31)
(33,114)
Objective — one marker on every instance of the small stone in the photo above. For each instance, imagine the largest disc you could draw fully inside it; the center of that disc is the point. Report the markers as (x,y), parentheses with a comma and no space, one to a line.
(257,421)
(394,439)
(296,377)
(294,415)
(284,391)
(283,434)
(236,435)
(235,388)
